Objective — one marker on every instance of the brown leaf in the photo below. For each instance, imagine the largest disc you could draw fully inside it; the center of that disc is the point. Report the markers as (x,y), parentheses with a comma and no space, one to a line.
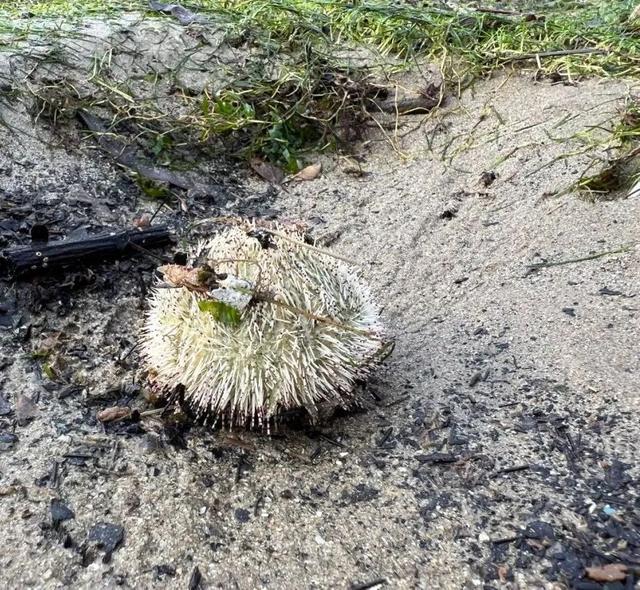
(48,345)
(25,409)
(200,278)
(268,171)
(612,572)
(142,221)
(310,172)
(113,413)
(179,276)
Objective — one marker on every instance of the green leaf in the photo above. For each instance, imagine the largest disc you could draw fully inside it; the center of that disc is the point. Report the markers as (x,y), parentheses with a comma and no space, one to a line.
(49,371)
(221,311)
(152,189)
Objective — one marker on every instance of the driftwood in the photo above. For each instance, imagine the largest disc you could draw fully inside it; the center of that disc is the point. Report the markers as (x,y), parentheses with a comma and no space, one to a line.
(42,257)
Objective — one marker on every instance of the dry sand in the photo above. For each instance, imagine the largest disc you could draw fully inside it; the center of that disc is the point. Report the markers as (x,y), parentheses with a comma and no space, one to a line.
(499,449)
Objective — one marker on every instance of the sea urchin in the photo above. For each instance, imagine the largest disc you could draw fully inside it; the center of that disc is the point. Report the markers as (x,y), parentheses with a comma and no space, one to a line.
(260,322)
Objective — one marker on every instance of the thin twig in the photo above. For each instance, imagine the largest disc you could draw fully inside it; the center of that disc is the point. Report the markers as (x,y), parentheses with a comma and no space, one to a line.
(622,250)
(312,316)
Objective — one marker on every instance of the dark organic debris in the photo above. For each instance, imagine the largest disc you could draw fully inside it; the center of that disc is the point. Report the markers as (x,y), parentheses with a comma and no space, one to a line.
(106,537)
(616,476)
(68,391)
(315,453)
(383,440)
(369,585)
(538,529)
(164,569)
(39,233)
(609,292)
(504,540)
(512,469)
(184,16)
(475,378)
(23,260)
(7,320)
(7,440)
(195,579)
(50,478)
(361,493)
(449,213)
(242,515)
(60,512)
(487,178)
(243,467)
(436,458)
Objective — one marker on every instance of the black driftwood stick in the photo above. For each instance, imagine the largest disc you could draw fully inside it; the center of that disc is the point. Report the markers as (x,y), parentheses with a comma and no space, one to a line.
(44,257)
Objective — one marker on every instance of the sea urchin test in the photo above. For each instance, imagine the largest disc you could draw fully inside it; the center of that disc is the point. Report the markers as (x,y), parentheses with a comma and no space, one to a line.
(260,322)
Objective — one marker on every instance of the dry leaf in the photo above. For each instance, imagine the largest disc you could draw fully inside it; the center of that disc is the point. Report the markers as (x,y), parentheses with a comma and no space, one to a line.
(200,278)
(503,572)
(267,171)
(612,572)
(25,409)
(179,276)
(47,345)
(113,413)
(143,221)
(310,172)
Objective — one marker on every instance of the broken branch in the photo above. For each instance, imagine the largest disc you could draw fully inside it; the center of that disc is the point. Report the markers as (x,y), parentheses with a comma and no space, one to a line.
(41,258)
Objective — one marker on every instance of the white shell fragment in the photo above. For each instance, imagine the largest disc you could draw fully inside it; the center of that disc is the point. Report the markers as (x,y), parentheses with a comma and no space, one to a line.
(233,291)
(303,329)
